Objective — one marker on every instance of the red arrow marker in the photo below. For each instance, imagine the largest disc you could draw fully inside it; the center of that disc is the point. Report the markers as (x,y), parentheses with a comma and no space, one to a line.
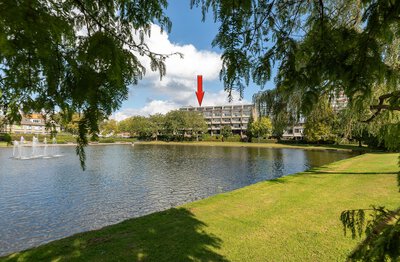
(200,93)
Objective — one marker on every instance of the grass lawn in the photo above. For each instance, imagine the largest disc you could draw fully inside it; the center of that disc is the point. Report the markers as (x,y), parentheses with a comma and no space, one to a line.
(3,144)
(295,218)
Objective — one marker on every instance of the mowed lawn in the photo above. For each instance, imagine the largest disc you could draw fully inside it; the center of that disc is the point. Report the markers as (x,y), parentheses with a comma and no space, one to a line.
(295,218)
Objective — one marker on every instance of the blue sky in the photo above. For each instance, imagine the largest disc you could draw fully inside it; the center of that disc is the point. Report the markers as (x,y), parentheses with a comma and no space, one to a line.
(193,38)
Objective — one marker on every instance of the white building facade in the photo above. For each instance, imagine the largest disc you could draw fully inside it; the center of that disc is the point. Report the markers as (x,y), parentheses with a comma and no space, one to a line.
(30,124)
(216,117)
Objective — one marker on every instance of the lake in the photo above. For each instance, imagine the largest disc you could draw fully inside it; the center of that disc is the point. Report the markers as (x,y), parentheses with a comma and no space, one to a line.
(47,199)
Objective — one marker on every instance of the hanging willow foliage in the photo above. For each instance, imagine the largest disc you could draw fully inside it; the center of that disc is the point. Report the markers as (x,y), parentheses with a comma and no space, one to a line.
(320,47)
(74,56)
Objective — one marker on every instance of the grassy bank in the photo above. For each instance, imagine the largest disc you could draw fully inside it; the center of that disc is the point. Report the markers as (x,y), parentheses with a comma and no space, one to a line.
(295,218)
(3,144)
(266,145)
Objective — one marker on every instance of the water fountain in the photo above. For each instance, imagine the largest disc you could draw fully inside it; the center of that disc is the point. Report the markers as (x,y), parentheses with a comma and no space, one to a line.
(21,149)
(16,149)
(45,149)
(34,153)
(56,149)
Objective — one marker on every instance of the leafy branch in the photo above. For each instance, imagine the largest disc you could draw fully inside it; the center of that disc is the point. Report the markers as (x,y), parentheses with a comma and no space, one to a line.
(394,96)
(382,233)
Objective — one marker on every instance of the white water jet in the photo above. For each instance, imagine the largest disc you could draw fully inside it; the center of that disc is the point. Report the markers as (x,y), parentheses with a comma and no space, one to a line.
(34,150)
(45,147)
(16,149)
(56,149)
(22,149)
(34,147)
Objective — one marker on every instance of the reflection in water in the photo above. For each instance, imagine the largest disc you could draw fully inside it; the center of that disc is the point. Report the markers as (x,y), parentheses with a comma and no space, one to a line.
(43,200)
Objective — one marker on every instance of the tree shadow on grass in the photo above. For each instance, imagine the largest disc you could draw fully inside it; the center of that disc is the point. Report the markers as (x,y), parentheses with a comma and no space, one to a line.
(171,235)
(278,180)
(349,173)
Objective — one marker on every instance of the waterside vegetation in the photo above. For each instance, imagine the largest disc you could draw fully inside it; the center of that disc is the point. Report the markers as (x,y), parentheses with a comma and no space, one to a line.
(294,217)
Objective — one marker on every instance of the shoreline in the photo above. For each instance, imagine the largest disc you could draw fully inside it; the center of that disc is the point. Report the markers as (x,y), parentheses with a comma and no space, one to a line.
(343,148)
(255,207)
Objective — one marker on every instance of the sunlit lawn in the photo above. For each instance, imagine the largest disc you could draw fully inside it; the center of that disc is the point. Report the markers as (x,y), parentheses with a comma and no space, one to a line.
(295,218)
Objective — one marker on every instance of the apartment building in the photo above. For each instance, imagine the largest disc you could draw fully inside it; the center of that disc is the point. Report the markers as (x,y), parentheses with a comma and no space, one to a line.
(339,101)
(30,124)
(235,116)
(294,132)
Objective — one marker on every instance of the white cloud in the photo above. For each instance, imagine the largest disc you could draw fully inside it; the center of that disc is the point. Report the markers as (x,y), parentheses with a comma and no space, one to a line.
(180,70)
(179,85)
(151,108)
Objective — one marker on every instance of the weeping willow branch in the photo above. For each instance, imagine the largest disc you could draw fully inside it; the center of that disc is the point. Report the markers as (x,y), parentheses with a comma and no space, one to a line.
(381,106)
(383,227)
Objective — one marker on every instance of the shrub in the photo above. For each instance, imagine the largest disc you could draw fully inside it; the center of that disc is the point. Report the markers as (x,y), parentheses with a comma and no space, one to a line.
(107,140)
(5,138)
(234,138)
(208,137)
(264,140)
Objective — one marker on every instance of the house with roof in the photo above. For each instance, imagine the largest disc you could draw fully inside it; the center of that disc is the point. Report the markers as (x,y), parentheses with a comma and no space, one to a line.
(31,124)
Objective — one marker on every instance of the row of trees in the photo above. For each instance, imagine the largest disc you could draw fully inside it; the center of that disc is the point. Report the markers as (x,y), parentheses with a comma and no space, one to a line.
(322,123)
(176,125)
(173,125)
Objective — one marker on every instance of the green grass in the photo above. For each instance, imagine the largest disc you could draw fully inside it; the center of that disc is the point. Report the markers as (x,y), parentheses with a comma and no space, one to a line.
(295,218)
(3,144)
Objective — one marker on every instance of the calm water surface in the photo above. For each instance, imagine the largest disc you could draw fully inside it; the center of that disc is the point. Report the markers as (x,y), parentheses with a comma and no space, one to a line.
(47,199)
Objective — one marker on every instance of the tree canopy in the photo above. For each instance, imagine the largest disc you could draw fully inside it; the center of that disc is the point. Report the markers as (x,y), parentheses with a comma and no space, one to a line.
(319,124)
(75,56)
(317,46)
(260,127)
(320,48)
(175,124)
